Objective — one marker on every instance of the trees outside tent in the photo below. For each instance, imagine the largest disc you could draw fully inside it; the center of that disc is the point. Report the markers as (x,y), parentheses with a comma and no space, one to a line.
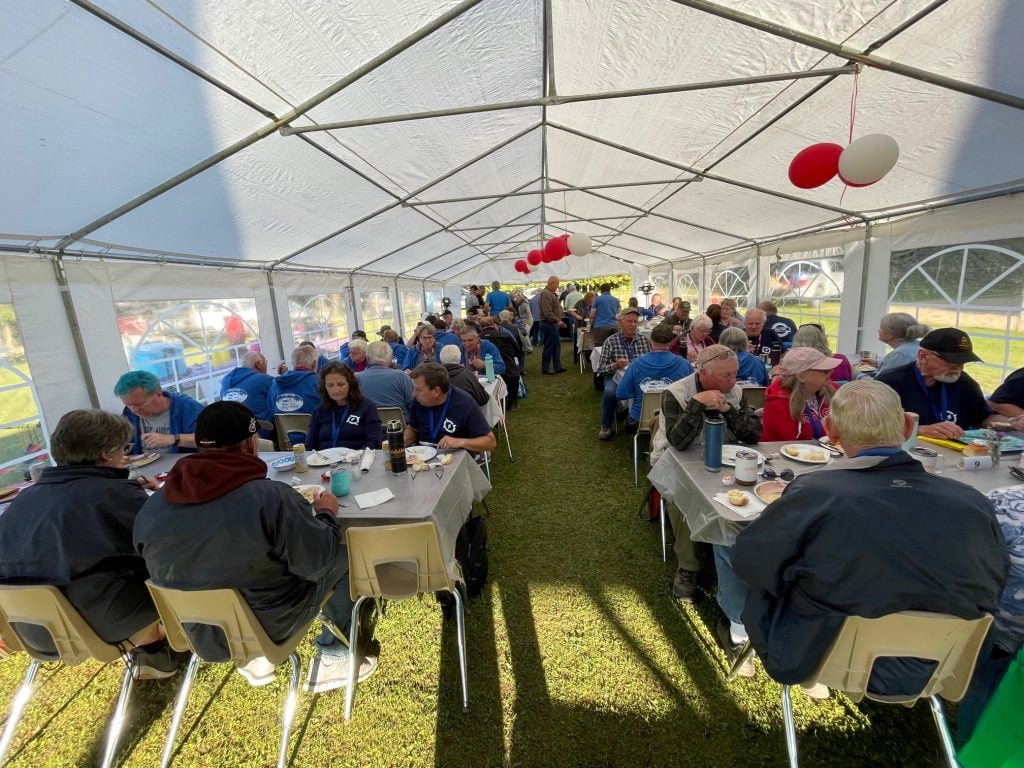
(23,436)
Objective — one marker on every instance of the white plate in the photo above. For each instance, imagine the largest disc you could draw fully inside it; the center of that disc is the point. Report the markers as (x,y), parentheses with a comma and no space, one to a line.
(329,456)
(729,454)
(824,440)
(315,490)
(802,453)
(421,452)
(144,459)
(285,462)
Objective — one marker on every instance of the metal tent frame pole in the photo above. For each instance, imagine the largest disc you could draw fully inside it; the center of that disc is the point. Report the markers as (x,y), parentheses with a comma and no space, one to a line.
(552,191)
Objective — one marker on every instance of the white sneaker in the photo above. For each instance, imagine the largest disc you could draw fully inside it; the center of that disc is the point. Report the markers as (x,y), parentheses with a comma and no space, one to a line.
(818,691)
(329,670)
(258,672)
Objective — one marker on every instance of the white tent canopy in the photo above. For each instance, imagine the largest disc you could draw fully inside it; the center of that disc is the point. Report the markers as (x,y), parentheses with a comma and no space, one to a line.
(298,148)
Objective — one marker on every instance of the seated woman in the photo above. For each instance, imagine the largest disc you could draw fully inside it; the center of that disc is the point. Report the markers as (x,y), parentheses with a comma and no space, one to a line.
(344,417)
(356,357)
(423,349)
(902,332)
(718,324)
(697,339)
(812,335)
(797,402)
(751,368)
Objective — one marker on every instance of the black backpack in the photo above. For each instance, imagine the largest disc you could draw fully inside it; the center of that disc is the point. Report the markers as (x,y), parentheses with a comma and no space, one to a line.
(471,553)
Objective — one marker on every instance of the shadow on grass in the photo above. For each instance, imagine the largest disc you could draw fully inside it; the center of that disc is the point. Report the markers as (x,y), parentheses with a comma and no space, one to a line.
(183,738)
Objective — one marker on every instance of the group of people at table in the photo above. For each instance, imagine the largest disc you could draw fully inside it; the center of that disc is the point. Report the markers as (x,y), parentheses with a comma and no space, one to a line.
(869,537)
(217,521)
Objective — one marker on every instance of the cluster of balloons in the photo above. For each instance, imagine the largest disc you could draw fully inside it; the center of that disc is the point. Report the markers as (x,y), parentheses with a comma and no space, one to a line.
(860,164)
(556,249)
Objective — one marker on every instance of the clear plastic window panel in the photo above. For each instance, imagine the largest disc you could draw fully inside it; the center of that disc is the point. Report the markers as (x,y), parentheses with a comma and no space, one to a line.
(377,311)
(321,319)
(23,435)
(189,345)
(688,289)
(731,283)
(412,309)
(977,287)
(809,291)
(434,304)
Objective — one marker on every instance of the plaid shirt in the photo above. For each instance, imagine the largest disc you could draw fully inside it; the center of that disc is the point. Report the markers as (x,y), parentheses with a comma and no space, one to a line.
(616,346)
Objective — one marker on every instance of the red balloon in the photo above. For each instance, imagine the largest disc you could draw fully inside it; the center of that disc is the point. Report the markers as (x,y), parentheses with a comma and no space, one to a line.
(546,257)
(854,184)
(522,266)
(556,247)
(815,165)
(534,257)
(564,237)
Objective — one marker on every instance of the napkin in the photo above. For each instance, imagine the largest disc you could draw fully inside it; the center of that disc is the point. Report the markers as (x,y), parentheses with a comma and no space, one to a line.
(367,461)
(373,498)
(752,508)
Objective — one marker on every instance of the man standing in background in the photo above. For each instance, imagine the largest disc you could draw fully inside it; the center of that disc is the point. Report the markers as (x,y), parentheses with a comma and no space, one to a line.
(550,321)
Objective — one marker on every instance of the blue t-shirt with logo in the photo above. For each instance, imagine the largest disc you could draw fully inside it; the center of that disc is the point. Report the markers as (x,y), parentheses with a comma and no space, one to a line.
(607,307)
(652,372)
(459,416)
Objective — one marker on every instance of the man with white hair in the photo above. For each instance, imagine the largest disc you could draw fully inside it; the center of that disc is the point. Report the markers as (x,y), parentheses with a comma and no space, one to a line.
(249,384)
(382,384)
(295,391)
(460,377)
(868,535)
(760,337)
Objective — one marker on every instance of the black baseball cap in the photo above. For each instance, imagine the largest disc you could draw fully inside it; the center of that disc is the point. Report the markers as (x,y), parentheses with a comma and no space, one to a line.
(359,335)
(951,344)
(224,423)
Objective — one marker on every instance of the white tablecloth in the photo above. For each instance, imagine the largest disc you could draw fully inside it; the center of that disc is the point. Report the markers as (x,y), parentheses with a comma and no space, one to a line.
(497,390)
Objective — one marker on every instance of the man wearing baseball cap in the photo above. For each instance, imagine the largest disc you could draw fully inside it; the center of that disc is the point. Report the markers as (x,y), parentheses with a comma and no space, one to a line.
(935,387)
(680,316)
(219,523)
(619,350)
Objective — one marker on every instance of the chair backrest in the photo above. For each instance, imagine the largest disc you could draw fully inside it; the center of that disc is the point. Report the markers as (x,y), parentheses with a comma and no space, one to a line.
(951,641)
(222,608)
(46,607)
(289,422)
(588,341)
(390,413)
(649,410)
(395,561)
(754,396)
(266,446)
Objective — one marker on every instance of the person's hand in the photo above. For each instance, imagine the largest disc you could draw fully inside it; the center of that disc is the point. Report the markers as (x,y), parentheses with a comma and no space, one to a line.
(561,324)
(157,440)
(477,363)
(148,483)
(621,363)
(1017,422)
(326,502)
(712,398)
(448,443)
(282,367)
(691,355)
(941,430)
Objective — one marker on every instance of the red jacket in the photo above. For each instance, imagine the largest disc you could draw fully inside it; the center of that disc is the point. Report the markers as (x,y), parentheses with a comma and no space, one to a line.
(776,423)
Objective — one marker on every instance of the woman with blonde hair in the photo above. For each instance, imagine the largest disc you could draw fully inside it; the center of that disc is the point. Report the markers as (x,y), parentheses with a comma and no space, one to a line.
(798,400)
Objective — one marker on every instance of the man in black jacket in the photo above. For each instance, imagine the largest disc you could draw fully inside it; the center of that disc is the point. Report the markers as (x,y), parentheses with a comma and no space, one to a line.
(219,523)
(870,535)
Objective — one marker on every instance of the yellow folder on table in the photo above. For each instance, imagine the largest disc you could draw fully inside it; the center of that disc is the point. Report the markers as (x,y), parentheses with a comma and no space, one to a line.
(944,443)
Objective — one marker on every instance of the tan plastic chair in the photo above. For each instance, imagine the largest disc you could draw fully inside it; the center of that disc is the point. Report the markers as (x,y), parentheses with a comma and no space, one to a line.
(951,641)
(754,396)
(75,640)
(289,422)
(394,562)
(586,348)
(648,413)
(390,413)
(246,639)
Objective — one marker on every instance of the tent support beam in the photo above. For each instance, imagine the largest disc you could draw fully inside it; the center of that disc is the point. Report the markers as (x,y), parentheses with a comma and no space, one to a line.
(554,100)
(551,191)
(559,221)
(272,126)
(621,230)
(846,52)
(57,261)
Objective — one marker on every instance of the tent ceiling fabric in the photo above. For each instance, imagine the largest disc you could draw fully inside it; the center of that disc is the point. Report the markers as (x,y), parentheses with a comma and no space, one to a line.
(94,117)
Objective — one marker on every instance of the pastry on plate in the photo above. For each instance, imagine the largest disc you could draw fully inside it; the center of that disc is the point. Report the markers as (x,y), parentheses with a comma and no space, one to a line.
(791,450)
(816,455)
(737,498)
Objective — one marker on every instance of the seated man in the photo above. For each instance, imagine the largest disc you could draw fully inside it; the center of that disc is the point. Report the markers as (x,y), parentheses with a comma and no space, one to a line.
(680,317)
(249,384)
(445,416)
(161,421)
(683,405)
(219,523)
(869,535)
(460,376)
(935,387)
(73,529)
(475,350)
(295,391)
(382,384)
(784,327)
(619,350)
(652,372)
(1008,399)
(760,337)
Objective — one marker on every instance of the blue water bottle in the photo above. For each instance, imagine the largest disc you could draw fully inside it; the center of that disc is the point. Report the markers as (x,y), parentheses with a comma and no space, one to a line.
(489,367)
(714,436)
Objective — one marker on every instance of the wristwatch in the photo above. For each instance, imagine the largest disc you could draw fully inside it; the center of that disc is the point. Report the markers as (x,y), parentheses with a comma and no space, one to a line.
(177,439)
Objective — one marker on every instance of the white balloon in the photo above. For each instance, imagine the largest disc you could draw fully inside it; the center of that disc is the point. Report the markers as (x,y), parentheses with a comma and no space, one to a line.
(579,244)
(868,159)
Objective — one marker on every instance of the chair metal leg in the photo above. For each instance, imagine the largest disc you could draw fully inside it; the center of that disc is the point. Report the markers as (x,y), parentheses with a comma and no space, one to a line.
(460,619)
(661,524)
(331,627)
(353,660)
(504,426)
(290,705)
(487,464)
(179,709)
(636,454)
(745,653)
(120,711)
(21,699)
(787,716)
(939,715)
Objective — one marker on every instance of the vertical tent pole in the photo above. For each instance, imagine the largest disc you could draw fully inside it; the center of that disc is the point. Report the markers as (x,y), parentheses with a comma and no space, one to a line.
(862,308)
(76,329)
(277,317)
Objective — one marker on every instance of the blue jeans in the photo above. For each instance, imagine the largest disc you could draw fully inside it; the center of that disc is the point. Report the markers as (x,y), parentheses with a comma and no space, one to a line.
(339,607)
(732,592)
(608,400)
(551,358)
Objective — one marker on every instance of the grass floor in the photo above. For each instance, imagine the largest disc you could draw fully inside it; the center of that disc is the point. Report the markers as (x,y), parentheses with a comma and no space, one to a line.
(578,655)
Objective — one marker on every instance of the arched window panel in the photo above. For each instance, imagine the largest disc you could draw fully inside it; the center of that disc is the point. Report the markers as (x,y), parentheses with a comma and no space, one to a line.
(377,310)
(319,318)
(809,291)
(412,309)
(731,283)
(23,435)
(434,302)
(190,346)
(688,288)
(977,287)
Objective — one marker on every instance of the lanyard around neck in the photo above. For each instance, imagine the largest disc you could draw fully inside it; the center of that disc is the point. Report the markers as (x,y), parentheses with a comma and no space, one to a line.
(942,412)
(336,427)
(435,431)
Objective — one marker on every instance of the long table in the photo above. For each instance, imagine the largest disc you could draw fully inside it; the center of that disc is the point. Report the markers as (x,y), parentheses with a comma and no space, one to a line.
(681,478)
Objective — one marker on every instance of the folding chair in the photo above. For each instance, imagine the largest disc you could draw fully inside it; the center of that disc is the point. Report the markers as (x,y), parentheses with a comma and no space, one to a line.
(648,413)
(586,347)
(754,396)
(246,640)
(390,413)
(952,642)
(75,640)
(289,422)
(394,562)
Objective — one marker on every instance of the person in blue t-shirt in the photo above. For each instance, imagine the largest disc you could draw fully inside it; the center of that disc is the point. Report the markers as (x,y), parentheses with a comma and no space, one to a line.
(497,300)
(752,369)
(784,328)
(445,416)
(295,391)
(651,372)
(161,421)
(249,385)
(344,418)
(604,315)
